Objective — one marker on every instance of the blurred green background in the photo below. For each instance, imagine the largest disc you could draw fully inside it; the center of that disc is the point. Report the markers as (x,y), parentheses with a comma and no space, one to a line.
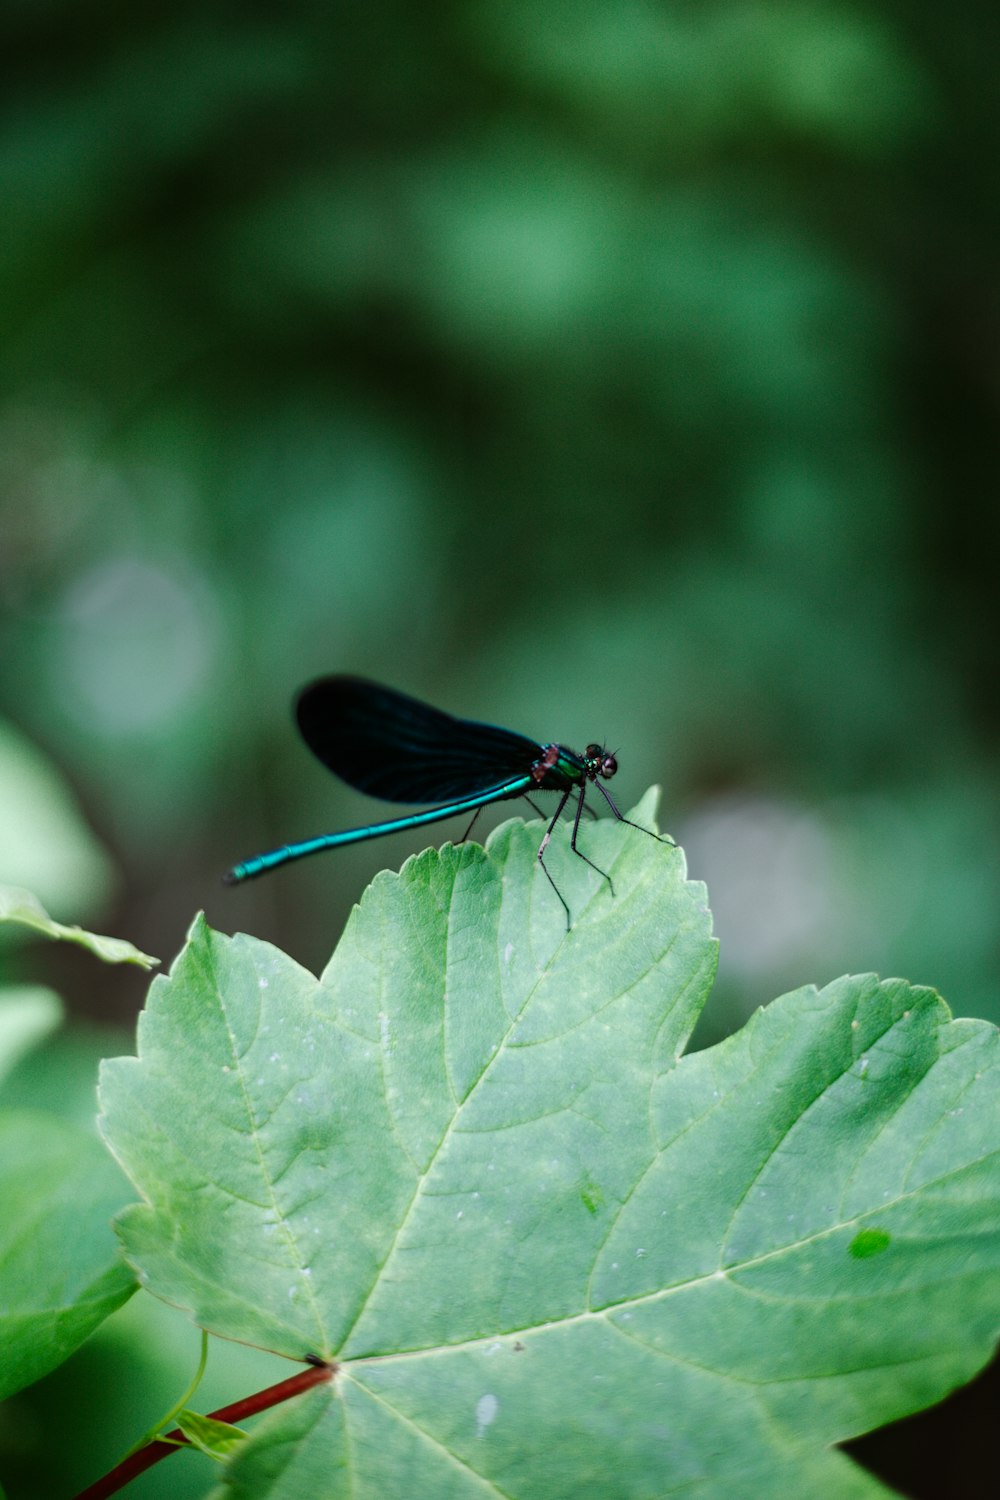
(617,370)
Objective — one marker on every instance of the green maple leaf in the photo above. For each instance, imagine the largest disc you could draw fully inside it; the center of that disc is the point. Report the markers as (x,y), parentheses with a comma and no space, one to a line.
(550,1254)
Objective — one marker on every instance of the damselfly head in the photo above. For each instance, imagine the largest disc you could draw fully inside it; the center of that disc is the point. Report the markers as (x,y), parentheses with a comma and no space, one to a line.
(601,762)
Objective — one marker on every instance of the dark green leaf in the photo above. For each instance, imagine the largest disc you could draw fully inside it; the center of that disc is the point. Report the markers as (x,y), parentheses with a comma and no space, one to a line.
(61,1272)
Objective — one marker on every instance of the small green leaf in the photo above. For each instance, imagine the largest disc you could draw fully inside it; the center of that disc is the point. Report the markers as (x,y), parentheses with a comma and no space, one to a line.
(20,906)
(218,1440)
(298,1450)
(60,1270)
(550,1254)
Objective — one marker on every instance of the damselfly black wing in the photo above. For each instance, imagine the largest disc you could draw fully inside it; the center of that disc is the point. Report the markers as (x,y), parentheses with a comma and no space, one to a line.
(396,748)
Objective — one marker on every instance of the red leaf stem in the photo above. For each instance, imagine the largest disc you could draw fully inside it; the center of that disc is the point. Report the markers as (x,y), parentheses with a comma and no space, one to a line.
(138,1463)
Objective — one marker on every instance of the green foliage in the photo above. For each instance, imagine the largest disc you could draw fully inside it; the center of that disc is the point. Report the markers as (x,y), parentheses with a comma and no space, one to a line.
(618,368)
(25,909)
(60,1275)
(547,1250)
